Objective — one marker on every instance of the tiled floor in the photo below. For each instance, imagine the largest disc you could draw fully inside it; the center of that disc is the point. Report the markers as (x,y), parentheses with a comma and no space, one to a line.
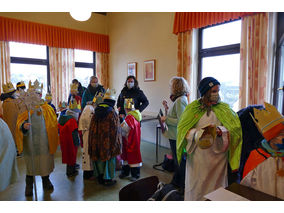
(77,189)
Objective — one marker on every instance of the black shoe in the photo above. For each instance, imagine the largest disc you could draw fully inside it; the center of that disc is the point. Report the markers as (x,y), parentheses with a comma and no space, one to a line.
(46,184)
(109,182)
(72,174)
(122,175)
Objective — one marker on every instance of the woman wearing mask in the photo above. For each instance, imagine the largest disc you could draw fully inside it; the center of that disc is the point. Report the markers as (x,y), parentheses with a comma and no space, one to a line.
(131,90)
(179,90)
(93,88)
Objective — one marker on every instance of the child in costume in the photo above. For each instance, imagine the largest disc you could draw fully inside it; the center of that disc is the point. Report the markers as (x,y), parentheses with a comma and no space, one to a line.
(37,137)
(69,137)
(203,133)
(264,169)
(131,133)
(105,139)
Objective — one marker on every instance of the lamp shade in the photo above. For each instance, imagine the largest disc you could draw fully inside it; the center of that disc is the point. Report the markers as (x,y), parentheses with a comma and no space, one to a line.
(81,15)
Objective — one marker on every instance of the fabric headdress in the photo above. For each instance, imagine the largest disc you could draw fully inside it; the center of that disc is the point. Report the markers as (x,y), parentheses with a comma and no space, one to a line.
(110,94)
(7,88)
(268,121)
(128,103)
(207,83)
(35,87)
(22,84)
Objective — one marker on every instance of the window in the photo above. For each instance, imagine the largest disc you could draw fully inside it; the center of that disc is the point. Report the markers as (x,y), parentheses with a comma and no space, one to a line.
(219,57)
(84,66)
(29,62)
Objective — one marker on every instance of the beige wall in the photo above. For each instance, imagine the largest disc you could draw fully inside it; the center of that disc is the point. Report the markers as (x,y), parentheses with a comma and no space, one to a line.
(96,24)
(135,37)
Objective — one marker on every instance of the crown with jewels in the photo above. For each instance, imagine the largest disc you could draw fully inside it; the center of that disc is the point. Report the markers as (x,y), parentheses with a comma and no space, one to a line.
(98,98)
(75,105)
(22,84)
(74,87)
(35,87)
(110,94)
(8,87)
(268,121)
(128,103)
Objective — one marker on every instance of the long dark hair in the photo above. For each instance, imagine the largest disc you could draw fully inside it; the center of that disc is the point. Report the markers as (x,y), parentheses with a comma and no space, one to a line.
(135,82)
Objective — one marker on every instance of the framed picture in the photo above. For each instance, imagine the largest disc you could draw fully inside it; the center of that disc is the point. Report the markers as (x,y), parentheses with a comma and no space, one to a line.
(132,69)
(149,70)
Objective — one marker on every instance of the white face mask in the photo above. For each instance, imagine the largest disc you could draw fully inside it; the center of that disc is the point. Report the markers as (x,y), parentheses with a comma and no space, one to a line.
(130,85)
(94,84)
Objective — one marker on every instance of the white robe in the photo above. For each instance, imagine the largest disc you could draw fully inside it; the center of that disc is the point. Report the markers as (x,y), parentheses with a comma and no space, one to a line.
(84,126)
(262,178)
(205,170)
(8,163)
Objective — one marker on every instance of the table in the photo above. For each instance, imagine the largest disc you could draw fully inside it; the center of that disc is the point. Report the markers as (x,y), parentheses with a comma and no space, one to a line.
(146,118)
(250,193)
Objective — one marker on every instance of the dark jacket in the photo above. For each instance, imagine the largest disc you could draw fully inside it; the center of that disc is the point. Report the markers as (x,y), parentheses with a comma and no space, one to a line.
(140,100)
(89,94)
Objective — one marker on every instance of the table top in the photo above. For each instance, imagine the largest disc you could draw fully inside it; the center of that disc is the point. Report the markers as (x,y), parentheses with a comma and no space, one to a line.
(148,118)
(250,194)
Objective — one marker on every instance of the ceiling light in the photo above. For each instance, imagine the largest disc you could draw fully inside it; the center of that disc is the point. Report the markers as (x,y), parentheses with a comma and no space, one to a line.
(81,16)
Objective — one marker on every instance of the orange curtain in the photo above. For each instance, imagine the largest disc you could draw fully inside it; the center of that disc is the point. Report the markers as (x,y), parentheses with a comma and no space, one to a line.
(254,60)
(185,21)
(102,68)
(52,36)
(62,69)
(4,67)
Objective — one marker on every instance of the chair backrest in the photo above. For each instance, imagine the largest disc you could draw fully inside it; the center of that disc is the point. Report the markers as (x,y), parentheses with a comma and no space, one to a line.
(140,190)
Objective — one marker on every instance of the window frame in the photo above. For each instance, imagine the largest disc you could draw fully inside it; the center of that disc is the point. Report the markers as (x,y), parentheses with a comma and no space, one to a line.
(35,61)
(87,65)
(213,51)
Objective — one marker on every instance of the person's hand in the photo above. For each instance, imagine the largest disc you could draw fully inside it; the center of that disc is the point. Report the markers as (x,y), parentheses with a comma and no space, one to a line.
(27,126)
(165,104)
(163,118)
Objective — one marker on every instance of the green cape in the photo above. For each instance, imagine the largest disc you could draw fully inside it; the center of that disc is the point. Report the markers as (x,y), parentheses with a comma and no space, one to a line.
(229,119)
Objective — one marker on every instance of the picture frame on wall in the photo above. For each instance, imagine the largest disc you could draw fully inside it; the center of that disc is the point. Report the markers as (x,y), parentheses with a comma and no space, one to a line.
(132,69)
(149,70)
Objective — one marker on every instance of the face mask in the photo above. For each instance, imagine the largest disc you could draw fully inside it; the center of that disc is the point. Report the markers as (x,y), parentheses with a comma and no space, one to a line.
(130,85)
(94,84)
(214,97)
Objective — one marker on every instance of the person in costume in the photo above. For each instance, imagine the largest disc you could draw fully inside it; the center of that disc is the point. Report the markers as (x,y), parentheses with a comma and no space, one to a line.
(179,90)
(75,98)
(48,99)
(131,90)
(81,89)
(69,137)
(209,131)
(8,164)
(10,107)
(105,139)
(84,126)
(131,132)
(264,168)
(92,90)
(37,137)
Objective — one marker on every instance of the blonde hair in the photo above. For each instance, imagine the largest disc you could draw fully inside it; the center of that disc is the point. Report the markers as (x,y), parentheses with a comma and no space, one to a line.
(179,86)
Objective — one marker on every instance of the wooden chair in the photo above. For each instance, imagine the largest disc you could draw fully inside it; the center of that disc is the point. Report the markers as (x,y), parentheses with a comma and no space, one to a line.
(140,190)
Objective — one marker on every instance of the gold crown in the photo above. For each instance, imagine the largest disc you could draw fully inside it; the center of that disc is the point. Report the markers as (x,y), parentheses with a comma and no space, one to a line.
(22,84)
(74,87)
(8,87)
(110,94)
(74,104)
(48,96)
(128,103)
(98,96)
(268,121)
(35,87)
